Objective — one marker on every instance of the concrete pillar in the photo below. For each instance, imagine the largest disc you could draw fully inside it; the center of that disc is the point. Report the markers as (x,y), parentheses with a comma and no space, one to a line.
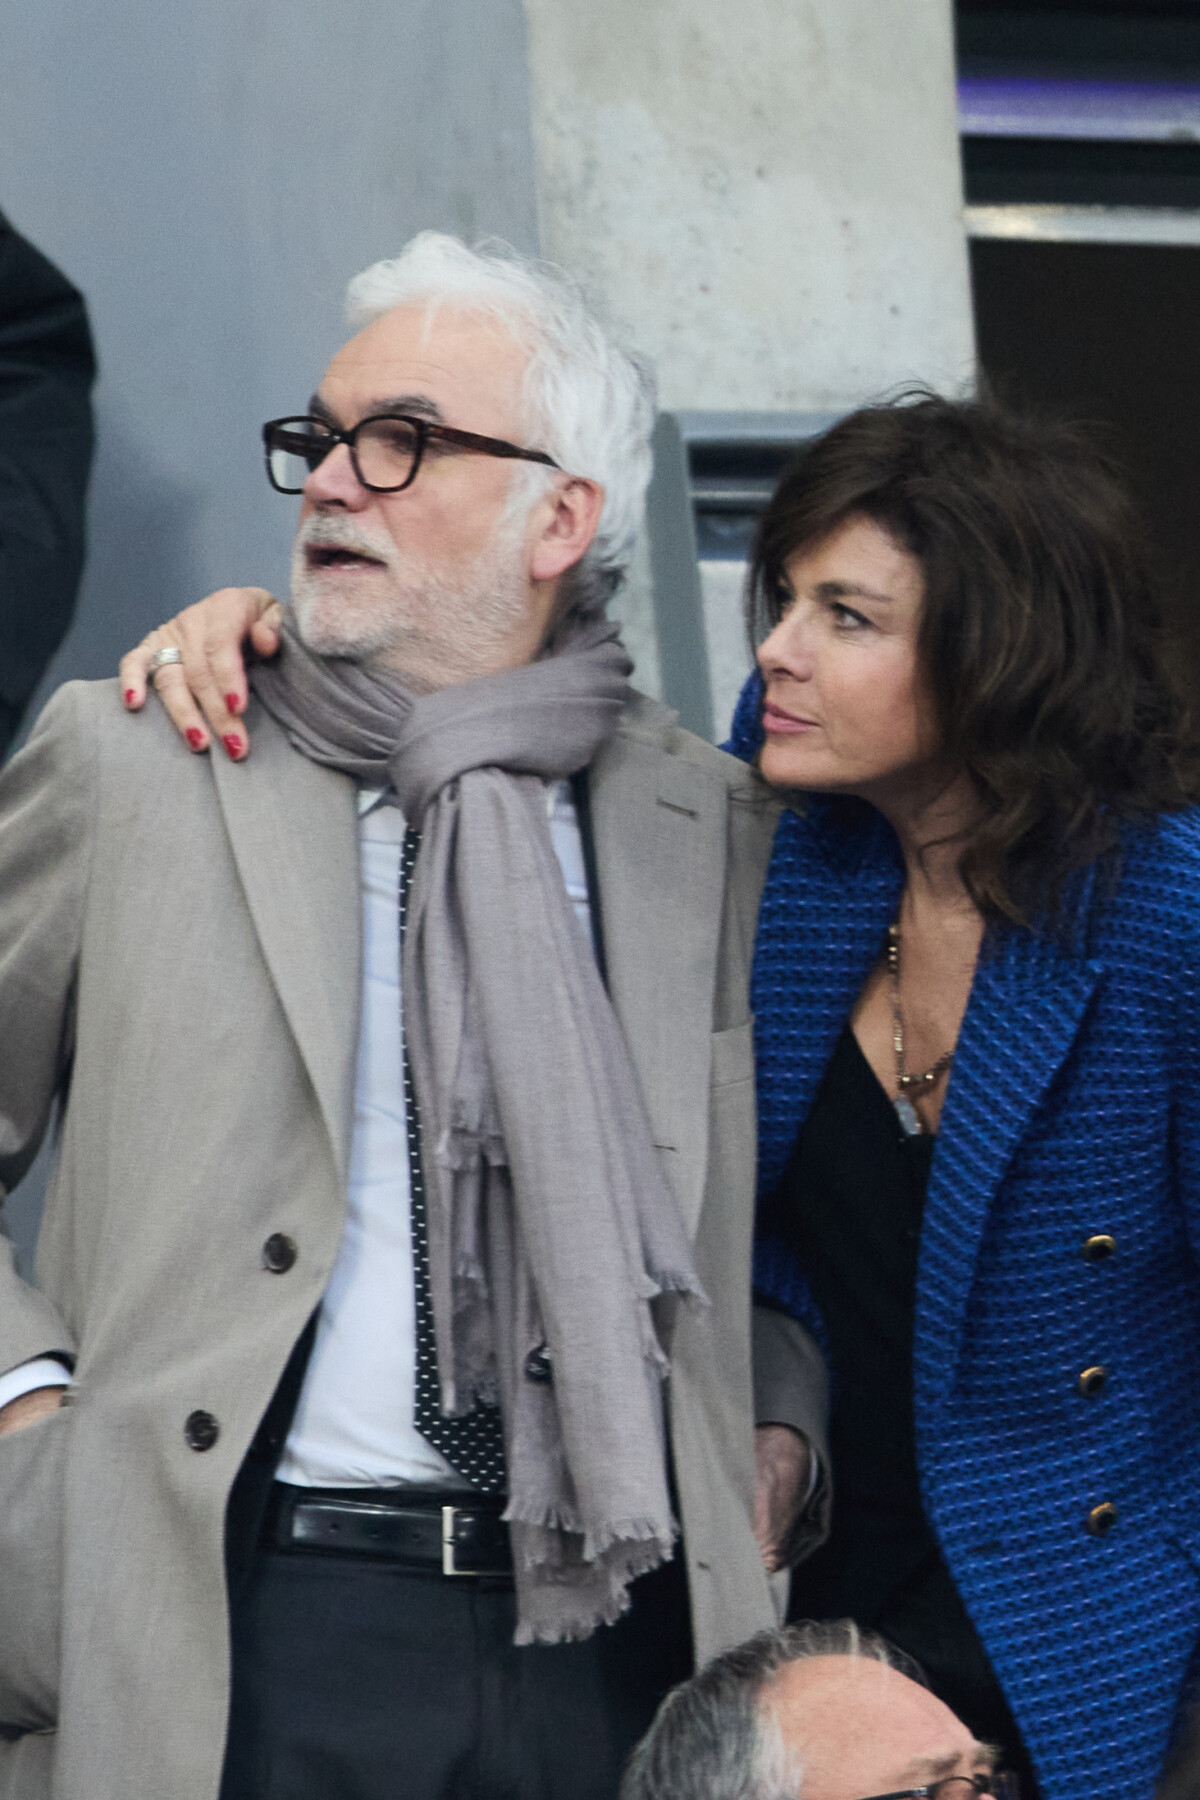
(767,194)
(767,197)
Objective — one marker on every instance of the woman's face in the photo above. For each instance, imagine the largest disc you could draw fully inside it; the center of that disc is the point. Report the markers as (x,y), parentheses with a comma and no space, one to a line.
(847,710)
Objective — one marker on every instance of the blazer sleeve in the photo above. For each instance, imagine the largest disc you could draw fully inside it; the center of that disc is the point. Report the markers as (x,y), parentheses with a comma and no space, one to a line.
(47,366)
(47,808)
(791,1387)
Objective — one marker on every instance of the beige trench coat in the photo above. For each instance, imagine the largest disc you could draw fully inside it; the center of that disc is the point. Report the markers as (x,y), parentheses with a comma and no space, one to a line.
(179,962)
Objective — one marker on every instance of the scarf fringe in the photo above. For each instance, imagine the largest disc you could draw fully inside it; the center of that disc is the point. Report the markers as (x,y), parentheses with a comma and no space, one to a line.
(574,1630)
(596,1543)
(593,1609)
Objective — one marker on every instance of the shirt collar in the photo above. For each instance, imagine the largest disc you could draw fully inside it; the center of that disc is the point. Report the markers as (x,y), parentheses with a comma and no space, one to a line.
(368,798)
(371,797)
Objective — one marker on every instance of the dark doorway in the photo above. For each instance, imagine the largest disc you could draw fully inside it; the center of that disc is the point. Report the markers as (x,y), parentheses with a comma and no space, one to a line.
(1110,333)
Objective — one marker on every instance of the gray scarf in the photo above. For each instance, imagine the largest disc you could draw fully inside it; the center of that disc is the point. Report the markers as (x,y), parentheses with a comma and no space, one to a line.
(550,1223)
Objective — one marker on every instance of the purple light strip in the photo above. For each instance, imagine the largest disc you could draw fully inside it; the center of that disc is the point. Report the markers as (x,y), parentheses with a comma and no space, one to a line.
(1032,106)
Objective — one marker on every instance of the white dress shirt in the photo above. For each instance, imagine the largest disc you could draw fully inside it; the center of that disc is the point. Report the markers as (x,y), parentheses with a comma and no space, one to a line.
(353,1425)
(40,1372)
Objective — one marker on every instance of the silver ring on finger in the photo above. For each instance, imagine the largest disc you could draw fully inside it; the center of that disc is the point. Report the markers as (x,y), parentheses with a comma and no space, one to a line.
(163,659)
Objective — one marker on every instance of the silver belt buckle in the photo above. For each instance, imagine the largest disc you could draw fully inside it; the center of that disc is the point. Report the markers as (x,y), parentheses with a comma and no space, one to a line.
(449,1566)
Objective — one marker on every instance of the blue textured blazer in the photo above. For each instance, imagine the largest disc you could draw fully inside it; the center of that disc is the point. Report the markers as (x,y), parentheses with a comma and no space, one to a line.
(1072,1111)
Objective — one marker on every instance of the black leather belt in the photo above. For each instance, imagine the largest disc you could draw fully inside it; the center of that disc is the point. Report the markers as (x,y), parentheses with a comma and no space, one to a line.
(419,1528)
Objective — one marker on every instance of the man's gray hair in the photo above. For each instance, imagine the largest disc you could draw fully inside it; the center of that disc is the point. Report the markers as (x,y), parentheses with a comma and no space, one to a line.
(588,402)
(712,1738)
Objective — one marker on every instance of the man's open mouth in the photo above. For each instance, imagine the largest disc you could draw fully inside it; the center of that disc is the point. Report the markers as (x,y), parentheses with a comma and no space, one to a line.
(337,556)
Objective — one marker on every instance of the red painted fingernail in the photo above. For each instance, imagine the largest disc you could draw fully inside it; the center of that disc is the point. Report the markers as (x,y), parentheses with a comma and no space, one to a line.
(233,703)
(195,739)
(130,696)
(234,746)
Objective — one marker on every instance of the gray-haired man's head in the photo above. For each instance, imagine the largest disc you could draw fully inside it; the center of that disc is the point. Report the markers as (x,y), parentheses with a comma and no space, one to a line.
(487,554)
(809,1712)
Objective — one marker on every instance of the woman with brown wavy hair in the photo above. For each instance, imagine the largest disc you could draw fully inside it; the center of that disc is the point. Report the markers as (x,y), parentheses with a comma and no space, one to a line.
(979,1069)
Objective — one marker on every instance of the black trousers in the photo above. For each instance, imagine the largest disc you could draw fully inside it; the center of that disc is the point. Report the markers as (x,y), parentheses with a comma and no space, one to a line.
(360,1680)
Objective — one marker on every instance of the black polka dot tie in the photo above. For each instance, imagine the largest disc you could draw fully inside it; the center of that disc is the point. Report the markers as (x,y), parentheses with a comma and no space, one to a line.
(474,1443)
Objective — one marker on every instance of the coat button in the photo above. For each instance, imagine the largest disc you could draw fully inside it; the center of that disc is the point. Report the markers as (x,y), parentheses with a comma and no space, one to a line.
(1092,1381)
(1101,1519)
(200,1431)
(279,1253)
(537,1366)
(1099,1248)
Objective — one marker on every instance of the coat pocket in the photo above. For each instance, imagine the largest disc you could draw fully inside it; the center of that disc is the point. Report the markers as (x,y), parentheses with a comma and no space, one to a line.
(32,1464)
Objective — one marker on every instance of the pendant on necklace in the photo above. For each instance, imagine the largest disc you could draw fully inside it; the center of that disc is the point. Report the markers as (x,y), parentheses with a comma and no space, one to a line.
(906,1112)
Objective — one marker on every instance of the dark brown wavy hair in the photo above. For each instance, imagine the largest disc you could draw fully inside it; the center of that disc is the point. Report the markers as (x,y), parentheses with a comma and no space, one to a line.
(1042,632)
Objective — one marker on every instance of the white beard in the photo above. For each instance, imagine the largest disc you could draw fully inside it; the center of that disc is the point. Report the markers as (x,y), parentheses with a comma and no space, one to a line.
(413,616)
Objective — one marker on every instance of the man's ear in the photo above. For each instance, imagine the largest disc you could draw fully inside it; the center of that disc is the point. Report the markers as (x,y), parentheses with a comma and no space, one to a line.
(563,524)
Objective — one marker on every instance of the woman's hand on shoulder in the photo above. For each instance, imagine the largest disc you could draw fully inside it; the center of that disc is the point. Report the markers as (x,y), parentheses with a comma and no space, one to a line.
(205,691)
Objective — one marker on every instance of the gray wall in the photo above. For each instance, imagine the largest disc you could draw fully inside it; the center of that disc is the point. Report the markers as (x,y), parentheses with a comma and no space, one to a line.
(210,174)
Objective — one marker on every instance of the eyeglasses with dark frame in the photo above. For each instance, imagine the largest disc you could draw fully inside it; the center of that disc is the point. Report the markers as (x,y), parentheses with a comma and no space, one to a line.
(960,1787)
(386,449)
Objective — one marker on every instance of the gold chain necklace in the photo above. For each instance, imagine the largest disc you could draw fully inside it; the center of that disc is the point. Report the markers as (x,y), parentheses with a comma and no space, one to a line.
(911,1086)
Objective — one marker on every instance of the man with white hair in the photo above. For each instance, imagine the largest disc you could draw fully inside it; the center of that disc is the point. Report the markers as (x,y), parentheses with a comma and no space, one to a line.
(813,1712)
(405,1133)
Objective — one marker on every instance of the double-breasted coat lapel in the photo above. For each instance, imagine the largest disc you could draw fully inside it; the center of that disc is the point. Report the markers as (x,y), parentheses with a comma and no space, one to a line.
(293,829)
(1027,1003)
(659,827)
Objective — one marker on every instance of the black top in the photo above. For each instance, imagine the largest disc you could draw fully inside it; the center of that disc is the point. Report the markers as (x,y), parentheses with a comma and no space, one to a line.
(850,1207)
